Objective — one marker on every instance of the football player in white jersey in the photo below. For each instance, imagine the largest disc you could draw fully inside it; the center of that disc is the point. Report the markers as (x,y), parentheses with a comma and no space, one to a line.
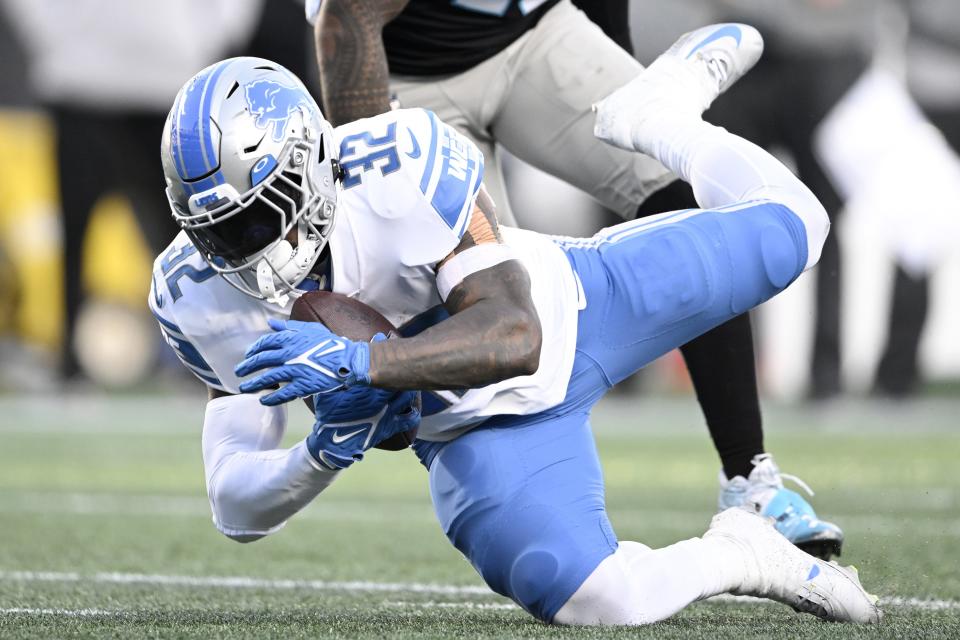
(512,335)
(522,74)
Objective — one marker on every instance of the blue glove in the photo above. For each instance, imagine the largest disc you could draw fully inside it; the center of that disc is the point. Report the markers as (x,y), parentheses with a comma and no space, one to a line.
(307,356)
(350,404)
(338,445)
(353,403)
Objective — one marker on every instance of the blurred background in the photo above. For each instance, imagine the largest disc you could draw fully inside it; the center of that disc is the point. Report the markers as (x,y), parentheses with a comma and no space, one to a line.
(102,502)
(860,97)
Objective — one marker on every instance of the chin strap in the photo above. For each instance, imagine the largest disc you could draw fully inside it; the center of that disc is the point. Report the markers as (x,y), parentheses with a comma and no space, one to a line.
(266,282)
(284,267)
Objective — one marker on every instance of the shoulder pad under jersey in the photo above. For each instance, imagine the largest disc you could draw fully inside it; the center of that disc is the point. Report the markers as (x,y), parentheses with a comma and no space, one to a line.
(177,267)
(408,166)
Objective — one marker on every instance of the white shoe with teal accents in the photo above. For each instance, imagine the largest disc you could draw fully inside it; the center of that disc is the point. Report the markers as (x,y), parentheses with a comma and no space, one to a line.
(763,492)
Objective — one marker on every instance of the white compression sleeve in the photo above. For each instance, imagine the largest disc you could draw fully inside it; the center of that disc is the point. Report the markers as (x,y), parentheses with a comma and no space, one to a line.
(254,487)
(725,169)
(637,585)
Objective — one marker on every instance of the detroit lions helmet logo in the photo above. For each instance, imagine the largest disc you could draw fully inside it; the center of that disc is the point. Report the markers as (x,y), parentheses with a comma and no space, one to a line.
(272,103)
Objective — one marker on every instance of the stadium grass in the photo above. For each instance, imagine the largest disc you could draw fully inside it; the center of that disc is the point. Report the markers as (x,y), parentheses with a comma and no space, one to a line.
(106,530)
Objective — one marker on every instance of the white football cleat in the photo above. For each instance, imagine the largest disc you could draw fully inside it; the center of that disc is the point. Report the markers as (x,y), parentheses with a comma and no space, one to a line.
(780,571)
(684,81)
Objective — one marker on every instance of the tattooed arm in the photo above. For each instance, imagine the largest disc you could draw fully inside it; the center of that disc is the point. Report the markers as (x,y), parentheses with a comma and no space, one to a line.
(493,332)
(353,64)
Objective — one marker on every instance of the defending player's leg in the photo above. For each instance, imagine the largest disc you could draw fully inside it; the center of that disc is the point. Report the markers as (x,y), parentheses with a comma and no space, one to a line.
(762,490)
(566,64)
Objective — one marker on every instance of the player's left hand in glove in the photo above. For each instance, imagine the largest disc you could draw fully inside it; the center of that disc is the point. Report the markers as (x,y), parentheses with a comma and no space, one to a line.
(310,358)
(340,444)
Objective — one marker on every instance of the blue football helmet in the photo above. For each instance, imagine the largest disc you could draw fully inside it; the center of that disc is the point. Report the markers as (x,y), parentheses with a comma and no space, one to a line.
(251,173)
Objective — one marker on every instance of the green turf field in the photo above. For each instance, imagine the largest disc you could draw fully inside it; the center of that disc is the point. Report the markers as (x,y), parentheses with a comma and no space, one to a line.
(106,529)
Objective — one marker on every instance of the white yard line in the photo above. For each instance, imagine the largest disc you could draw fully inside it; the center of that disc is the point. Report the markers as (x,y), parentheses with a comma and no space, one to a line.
(244,582)
(926,604)
(70,613)
(431,604)
(248,582)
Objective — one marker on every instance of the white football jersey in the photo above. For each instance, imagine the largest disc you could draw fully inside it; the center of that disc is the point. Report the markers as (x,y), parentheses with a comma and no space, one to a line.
(408,191)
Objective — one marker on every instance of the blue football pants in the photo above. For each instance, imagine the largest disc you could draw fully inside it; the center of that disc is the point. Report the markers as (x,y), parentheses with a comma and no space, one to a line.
(522,496)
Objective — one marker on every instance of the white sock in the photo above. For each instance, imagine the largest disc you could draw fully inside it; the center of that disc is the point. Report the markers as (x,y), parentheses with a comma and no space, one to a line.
(724,169)
(637,585)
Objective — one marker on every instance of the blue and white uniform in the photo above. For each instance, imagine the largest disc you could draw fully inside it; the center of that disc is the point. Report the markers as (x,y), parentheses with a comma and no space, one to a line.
(408,191)
(514,475)
(649,286)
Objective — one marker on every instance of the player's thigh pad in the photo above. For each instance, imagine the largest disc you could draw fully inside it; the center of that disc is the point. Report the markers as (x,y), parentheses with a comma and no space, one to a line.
(654,284)
(525,505)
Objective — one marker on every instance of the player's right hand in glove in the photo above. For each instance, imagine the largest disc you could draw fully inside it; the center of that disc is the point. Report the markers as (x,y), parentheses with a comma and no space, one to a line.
(337,445)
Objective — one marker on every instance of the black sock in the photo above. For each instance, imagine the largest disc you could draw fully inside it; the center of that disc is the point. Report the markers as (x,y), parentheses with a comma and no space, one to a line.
(675,196)
(721,365)
(722,368)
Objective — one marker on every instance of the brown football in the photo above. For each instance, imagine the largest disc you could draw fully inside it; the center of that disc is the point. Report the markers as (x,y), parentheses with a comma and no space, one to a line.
(351,319)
